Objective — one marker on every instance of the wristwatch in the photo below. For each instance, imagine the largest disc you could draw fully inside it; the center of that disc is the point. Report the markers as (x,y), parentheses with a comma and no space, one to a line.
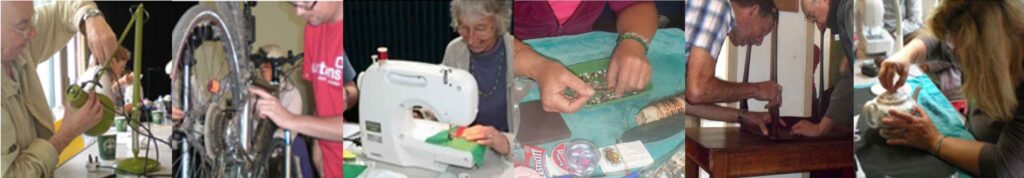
(90,13)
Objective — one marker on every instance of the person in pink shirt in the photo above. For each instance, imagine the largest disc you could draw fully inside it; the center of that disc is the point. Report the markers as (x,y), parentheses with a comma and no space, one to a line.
(628,69)
(330,74)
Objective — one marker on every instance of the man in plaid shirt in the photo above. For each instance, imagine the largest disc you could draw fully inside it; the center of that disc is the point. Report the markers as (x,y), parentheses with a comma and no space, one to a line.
(707,24)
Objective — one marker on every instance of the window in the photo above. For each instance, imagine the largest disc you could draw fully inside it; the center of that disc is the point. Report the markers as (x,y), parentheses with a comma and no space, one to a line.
(56,73)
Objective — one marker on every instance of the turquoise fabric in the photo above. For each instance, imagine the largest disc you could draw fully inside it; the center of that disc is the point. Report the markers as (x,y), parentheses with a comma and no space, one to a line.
(604,124)
(942,113)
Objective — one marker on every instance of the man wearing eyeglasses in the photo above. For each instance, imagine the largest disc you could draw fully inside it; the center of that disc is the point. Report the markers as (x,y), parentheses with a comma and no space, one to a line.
(707,24)
(836,15)
(330,75)
(31,34)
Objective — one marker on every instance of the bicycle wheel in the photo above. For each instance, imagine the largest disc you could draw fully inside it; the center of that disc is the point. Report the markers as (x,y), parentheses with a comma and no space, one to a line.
(210,45)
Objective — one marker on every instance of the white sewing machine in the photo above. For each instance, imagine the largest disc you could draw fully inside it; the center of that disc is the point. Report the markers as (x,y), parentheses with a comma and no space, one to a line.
(391,90)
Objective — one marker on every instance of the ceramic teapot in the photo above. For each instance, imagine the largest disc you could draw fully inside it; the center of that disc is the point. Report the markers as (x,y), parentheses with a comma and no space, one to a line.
(879,107)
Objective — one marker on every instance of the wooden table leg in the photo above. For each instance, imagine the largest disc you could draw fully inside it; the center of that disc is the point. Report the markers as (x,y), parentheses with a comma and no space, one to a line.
(692,170)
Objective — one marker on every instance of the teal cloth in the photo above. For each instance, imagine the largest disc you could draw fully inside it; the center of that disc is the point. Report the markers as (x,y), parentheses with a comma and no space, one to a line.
(942,113)
(604,124)
(443,138)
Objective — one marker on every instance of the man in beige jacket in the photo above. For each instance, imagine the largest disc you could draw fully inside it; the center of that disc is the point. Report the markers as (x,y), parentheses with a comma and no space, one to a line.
(31,144)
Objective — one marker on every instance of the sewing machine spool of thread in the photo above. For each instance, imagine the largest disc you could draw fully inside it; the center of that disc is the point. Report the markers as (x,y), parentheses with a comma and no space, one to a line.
(382,53)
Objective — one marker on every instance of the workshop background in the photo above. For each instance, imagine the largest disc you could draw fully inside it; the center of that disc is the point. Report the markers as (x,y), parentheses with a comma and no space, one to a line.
(420,31)
(156,46)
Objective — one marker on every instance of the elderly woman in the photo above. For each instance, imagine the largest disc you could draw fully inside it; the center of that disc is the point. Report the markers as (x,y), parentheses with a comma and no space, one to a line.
(986,38)
(484,47)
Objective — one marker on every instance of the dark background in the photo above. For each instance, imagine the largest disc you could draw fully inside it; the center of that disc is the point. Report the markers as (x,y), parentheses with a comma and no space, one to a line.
(412,30)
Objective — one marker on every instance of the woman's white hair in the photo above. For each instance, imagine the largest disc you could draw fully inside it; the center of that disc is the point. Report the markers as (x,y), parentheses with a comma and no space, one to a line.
(500,9)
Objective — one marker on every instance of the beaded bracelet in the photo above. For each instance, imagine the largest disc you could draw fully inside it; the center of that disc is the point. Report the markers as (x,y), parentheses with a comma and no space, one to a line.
(636,37)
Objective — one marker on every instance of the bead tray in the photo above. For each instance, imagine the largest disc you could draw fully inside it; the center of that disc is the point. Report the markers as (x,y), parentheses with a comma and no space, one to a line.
(593,73)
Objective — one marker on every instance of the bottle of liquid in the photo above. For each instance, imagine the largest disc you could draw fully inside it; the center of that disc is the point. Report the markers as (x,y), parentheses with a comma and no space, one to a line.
(529,160)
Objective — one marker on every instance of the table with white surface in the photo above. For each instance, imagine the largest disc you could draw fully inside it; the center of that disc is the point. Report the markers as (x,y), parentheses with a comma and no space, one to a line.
(76,166)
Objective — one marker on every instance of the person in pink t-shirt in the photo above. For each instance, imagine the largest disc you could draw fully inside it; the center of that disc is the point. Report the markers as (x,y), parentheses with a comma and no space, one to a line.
(330,74)
(628,68)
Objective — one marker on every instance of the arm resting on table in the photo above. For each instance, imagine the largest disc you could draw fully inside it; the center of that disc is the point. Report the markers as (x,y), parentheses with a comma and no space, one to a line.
(963,154)
(713,112)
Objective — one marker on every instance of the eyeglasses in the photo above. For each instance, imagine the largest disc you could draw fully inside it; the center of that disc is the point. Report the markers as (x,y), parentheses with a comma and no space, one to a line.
(23,32)
(305,5)
(810,18)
